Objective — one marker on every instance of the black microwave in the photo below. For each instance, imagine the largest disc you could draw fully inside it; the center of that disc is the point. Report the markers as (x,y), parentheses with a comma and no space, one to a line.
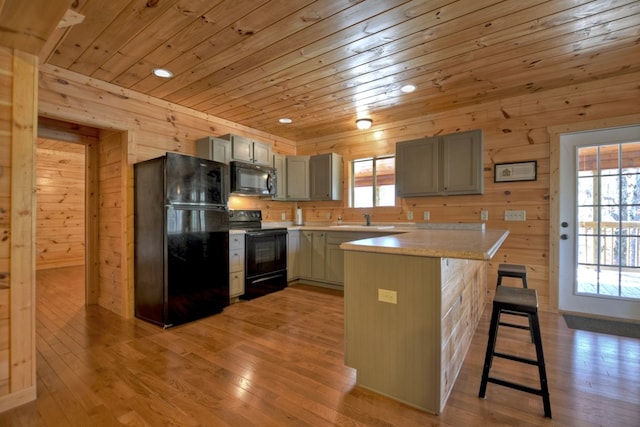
(252,179)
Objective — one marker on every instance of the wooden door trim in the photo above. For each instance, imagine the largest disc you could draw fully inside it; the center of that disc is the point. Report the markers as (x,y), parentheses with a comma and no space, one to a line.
(554,190)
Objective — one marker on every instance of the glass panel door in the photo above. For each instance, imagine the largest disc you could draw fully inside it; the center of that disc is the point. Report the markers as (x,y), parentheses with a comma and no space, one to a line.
(599,244)
(608,194)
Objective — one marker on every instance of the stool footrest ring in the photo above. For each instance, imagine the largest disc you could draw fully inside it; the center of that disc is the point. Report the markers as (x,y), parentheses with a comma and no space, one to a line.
(516,386)
(513,325)
(515,358)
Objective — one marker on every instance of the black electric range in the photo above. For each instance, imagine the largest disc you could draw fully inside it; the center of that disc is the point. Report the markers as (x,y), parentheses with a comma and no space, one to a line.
(265,253)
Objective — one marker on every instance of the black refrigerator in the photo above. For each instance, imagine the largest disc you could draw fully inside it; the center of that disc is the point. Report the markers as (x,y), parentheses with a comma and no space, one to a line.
(181,239)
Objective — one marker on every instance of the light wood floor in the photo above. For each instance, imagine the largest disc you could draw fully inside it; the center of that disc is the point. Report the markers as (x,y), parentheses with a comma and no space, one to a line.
(278,361)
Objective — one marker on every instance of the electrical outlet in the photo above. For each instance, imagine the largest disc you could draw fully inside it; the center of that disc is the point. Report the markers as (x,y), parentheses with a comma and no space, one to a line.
(409,215)
(328,215)
(385,295)
(484,215)
(515,215)
(283,216)
(426,215)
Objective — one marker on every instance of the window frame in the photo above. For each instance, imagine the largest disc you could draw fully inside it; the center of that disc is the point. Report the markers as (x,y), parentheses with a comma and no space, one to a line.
(374,195)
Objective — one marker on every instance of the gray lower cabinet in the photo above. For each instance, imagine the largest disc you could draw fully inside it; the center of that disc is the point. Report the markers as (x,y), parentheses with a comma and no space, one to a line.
(293,255)
(320,257)
(236,264)
(334,271)
(443,165)
(312,255)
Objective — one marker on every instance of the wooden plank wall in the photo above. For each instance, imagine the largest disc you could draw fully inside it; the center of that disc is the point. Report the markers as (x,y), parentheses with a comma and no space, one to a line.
(150,127)
(515,130)
(6,79)
(18,102)
(60,194)
(461,306)
(113,289)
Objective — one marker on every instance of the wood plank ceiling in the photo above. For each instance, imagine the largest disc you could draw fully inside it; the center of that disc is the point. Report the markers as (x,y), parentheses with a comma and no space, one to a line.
(322,63)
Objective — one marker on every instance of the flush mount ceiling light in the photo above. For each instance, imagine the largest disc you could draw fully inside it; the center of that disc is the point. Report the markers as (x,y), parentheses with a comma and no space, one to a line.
(408,88)
(364,123)
(161,72)
(285,120)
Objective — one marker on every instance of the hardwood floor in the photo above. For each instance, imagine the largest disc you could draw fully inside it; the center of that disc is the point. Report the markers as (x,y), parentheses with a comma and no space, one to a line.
(278,361)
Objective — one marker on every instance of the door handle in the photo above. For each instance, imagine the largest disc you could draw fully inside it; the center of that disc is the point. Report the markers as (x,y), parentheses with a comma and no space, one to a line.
(564,237)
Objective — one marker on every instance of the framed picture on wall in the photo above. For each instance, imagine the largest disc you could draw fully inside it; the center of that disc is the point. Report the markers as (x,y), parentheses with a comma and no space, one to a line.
(520,171)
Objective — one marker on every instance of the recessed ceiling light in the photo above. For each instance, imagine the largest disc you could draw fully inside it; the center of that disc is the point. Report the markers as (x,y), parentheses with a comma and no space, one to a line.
(285,120)
(408,88)
(161,72)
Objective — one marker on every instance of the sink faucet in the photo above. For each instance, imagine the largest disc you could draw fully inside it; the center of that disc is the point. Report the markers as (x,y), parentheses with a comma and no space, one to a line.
(367,219)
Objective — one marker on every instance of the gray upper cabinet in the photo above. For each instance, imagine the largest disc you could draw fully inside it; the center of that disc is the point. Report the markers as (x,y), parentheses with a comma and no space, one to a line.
(443,165)
(326,177)
(297,177)
(241,148)
(215,149)
(417,167)
(262,153)
(280,164)
(463,166)
(247,150)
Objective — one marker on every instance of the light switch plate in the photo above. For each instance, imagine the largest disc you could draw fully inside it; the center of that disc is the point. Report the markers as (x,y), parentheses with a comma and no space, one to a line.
(484,215)
(515,215)
(409,215)
(283,216)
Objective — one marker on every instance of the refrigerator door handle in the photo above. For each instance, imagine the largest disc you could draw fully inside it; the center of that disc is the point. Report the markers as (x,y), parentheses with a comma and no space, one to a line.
(192,206)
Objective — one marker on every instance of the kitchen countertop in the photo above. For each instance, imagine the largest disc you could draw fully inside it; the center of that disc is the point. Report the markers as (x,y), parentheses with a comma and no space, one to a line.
(376,227)
(442,240)
(465,244)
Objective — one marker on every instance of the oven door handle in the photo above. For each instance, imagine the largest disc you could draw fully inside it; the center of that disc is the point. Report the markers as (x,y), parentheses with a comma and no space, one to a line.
(264,233)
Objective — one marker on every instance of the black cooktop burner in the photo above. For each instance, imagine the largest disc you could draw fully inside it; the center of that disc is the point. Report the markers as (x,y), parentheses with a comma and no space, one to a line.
(249,220)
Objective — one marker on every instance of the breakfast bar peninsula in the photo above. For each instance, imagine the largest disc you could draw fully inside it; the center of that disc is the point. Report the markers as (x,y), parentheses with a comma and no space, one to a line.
(412,304)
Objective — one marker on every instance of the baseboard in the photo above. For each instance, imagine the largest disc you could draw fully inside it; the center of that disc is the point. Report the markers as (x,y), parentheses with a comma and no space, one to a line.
(18,398)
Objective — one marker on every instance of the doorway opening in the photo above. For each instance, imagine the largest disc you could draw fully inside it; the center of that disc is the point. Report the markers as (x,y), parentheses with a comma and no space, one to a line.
(60,217)
(62,194)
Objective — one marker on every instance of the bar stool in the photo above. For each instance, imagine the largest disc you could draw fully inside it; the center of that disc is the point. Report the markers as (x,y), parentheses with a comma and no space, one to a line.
(518,300)
(512,270)
(519,272)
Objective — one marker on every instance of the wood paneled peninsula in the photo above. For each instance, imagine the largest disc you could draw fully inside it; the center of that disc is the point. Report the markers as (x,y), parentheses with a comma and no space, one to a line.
(412,304)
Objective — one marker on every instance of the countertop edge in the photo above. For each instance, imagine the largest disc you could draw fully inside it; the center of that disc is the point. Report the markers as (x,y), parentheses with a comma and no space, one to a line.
(491,252)
(402,244)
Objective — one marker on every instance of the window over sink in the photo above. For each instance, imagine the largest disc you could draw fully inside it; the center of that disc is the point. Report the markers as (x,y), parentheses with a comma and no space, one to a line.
(373,182)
